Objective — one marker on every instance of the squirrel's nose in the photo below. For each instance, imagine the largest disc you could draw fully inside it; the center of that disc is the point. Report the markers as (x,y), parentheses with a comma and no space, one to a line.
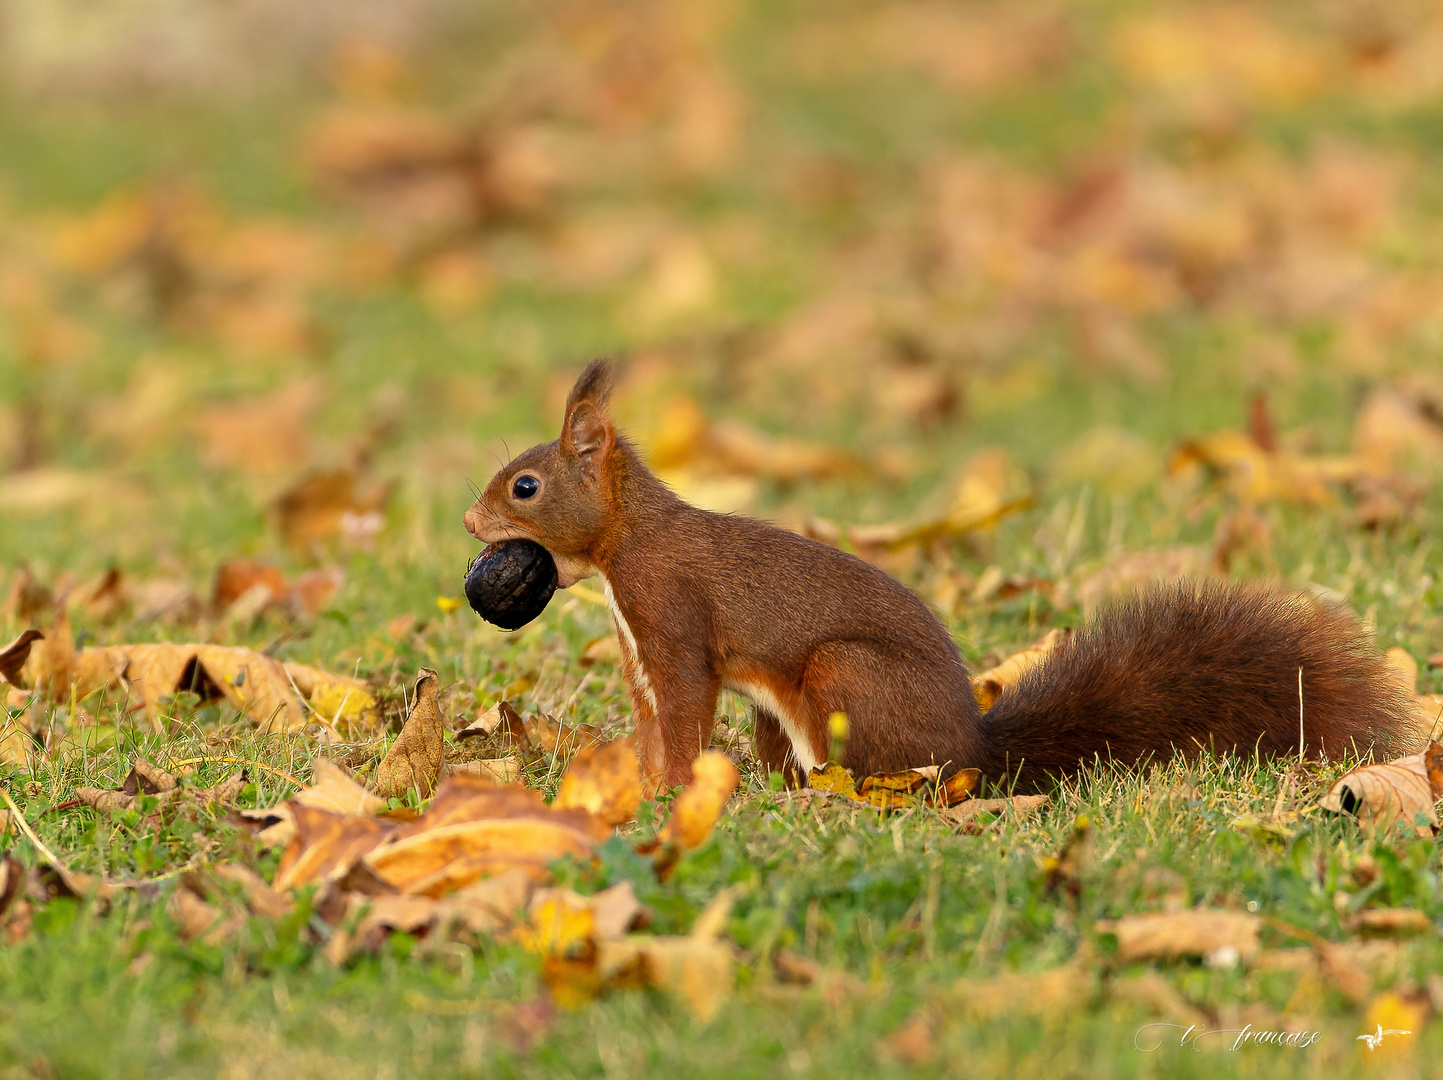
(472,520)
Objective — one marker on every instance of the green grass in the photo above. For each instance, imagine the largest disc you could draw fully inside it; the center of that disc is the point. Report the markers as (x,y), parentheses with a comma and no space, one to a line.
(909,918)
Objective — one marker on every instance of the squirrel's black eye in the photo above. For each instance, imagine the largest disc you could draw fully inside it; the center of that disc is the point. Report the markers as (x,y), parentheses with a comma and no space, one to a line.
(525,486)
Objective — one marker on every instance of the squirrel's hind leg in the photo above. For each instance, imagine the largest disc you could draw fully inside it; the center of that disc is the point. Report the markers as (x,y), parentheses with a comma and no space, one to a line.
(901,712)
(774,750)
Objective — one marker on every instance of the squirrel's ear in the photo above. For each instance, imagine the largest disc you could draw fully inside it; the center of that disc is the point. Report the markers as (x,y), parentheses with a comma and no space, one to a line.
(587,431)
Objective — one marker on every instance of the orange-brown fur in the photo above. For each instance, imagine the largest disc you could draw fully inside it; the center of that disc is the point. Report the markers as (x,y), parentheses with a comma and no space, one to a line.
(704,601)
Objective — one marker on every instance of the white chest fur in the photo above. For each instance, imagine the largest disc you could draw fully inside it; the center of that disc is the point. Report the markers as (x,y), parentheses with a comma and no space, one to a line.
(643,683)
(763,698)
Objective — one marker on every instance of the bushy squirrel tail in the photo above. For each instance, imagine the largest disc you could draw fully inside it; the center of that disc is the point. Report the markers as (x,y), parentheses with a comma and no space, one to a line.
(1201,666)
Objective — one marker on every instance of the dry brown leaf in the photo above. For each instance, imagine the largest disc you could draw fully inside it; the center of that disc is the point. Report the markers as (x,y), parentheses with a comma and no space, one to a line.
(1393,433)
(238,578)
(553,737)
(333,789)
(912,1043)
(1433,765)
(198,919)
(698,968)
(1389,922)
(323,506)
(1255,476)
(492,904)
(14,656)
(603,780)
(260,899)
(1183,934)
(326,845)
(473,830)
(254,683)
(444,859)
(268,434)
(987,686)
(1019,804)
(414,759)
(1381,795)
(145,780)
(52,658)
(499,771)
(695,811)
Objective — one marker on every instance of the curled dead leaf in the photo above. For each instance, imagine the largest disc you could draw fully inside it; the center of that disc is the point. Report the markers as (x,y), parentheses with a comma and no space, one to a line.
(14,656)
(1381,795)
(414,759)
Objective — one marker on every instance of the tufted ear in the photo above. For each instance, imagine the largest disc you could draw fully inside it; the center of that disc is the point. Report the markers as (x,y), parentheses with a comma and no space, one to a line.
(587,431)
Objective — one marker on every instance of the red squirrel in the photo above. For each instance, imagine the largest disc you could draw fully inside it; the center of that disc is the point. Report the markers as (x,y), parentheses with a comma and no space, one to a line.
(704,601)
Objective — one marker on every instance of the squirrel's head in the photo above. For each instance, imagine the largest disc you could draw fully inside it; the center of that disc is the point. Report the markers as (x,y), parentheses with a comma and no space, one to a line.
(558,494)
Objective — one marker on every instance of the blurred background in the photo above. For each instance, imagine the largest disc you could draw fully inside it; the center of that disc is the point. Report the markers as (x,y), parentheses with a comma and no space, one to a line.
(1020,299)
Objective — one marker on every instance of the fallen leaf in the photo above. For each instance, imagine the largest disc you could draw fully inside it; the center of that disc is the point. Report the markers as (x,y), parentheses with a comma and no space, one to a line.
(261,900)
(146,781)
(473,829)
(326,845)
(197,919)
(1389,922)
(1255,476)
(603,780)
(14,656)
(245,578)
(414,759)
(264,435)
(498,771)
(987,686)
(695,811)
(443,859)
(887,791)
(333,789)
(336,699)
(911,1044)
(1019,804)
(323,506)
(1381,795)
(698,968)
(834,779)
(553,737)
(1183,934)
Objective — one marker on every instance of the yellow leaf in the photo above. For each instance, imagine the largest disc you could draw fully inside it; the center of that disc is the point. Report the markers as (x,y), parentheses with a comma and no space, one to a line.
(987,686)
(697,808)
(603,780)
